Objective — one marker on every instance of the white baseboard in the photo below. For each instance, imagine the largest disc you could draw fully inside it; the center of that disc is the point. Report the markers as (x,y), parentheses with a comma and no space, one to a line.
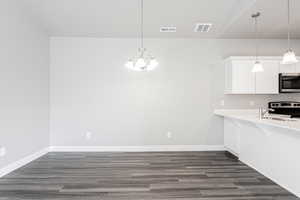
(150,148)
(19,163)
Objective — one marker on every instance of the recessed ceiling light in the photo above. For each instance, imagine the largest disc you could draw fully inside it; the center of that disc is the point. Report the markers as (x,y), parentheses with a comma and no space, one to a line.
(202,27)
(168,29)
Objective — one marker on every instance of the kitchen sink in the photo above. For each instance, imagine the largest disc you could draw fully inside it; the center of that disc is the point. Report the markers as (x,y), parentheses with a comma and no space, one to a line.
(280,118)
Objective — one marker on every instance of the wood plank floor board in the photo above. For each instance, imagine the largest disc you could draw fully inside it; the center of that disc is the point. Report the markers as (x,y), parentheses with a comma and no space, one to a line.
(139,176)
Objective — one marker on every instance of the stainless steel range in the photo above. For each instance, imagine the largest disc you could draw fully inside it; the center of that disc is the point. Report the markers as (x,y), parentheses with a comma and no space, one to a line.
(291,108)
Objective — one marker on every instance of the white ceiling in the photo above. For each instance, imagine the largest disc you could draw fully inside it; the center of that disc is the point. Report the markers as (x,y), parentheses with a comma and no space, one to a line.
(272,23)
(120,18)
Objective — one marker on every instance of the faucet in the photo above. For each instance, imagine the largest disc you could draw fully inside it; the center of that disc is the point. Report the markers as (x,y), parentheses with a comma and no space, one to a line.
(263,112)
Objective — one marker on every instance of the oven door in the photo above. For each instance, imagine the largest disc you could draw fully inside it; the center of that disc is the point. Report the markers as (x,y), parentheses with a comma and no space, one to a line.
(289,83)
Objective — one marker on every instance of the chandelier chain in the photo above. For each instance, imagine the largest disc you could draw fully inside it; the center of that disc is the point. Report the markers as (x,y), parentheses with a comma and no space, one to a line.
(142,24)
(289,24)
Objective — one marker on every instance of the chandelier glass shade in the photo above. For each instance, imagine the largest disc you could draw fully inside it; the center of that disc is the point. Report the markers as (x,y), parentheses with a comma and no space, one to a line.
(143,62)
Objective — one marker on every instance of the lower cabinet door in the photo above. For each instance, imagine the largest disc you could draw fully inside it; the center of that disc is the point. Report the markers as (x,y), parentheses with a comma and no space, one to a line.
(231,136)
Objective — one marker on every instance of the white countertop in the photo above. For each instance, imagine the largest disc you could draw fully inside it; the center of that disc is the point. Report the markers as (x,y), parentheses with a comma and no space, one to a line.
(253,116)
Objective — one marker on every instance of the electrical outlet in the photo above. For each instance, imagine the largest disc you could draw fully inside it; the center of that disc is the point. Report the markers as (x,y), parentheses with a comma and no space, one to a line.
(169,134)
(2,151)
(251,103)
(88,135)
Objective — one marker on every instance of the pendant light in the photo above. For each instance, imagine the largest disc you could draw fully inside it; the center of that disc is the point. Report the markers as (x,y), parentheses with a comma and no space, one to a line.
(289,57)
(257,67)
(143,61)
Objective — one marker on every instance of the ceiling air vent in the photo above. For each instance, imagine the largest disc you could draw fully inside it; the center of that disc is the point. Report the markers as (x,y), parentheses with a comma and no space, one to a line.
(202,27)
(168,29)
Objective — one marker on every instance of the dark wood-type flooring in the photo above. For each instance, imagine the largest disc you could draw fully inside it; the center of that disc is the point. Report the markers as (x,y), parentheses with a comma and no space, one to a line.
(138,176)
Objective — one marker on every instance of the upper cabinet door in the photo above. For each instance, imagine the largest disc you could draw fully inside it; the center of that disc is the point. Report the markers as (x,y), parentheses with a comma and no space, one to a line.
(294,68)
(288,68)
(297,67)
(243,80)
(267,81)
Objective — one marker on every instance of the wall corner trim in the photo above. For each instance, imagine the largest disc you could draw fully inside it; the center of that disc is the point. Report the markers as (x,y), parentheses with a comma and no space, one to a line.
(19,163)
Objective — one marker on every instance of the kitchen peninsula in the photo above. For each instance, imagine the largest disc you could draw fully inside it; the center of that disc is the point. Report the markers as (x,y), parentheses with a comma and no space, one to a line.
(270,146)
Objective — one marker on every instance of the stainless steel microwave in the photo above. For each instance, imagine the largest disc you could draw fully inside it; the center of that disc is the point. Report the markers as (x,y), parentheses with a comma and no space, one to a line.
(289,83)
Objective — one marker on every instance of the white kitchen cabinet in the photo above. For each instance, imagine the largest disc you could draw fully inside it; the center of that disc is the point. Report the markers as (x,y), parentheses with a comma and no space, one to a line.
(231,136)
(297,68)
(288,68)
(266,147)
(267,82)
(293,68)
(239,78)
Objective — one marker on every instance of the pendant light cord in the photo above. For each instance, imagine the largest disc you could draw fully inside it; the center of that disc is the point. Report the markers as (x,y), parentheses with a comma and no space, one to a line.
(255,16)
(289,24)
(256,40)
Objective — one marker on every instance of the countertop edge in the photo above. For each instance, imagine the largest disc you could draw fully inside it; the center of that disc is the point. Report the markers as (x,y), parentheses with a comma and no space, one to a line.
(284,125)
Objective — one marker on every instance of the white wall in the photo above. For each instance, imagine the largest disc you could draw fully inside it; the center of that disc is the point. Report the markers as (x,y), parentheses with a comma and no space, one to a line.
(91,90)
(24,83)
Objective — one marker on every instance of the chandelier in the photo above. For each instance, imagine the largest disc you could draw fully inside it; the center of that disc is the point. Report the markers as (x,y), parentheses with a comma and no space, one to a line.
(143,61)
